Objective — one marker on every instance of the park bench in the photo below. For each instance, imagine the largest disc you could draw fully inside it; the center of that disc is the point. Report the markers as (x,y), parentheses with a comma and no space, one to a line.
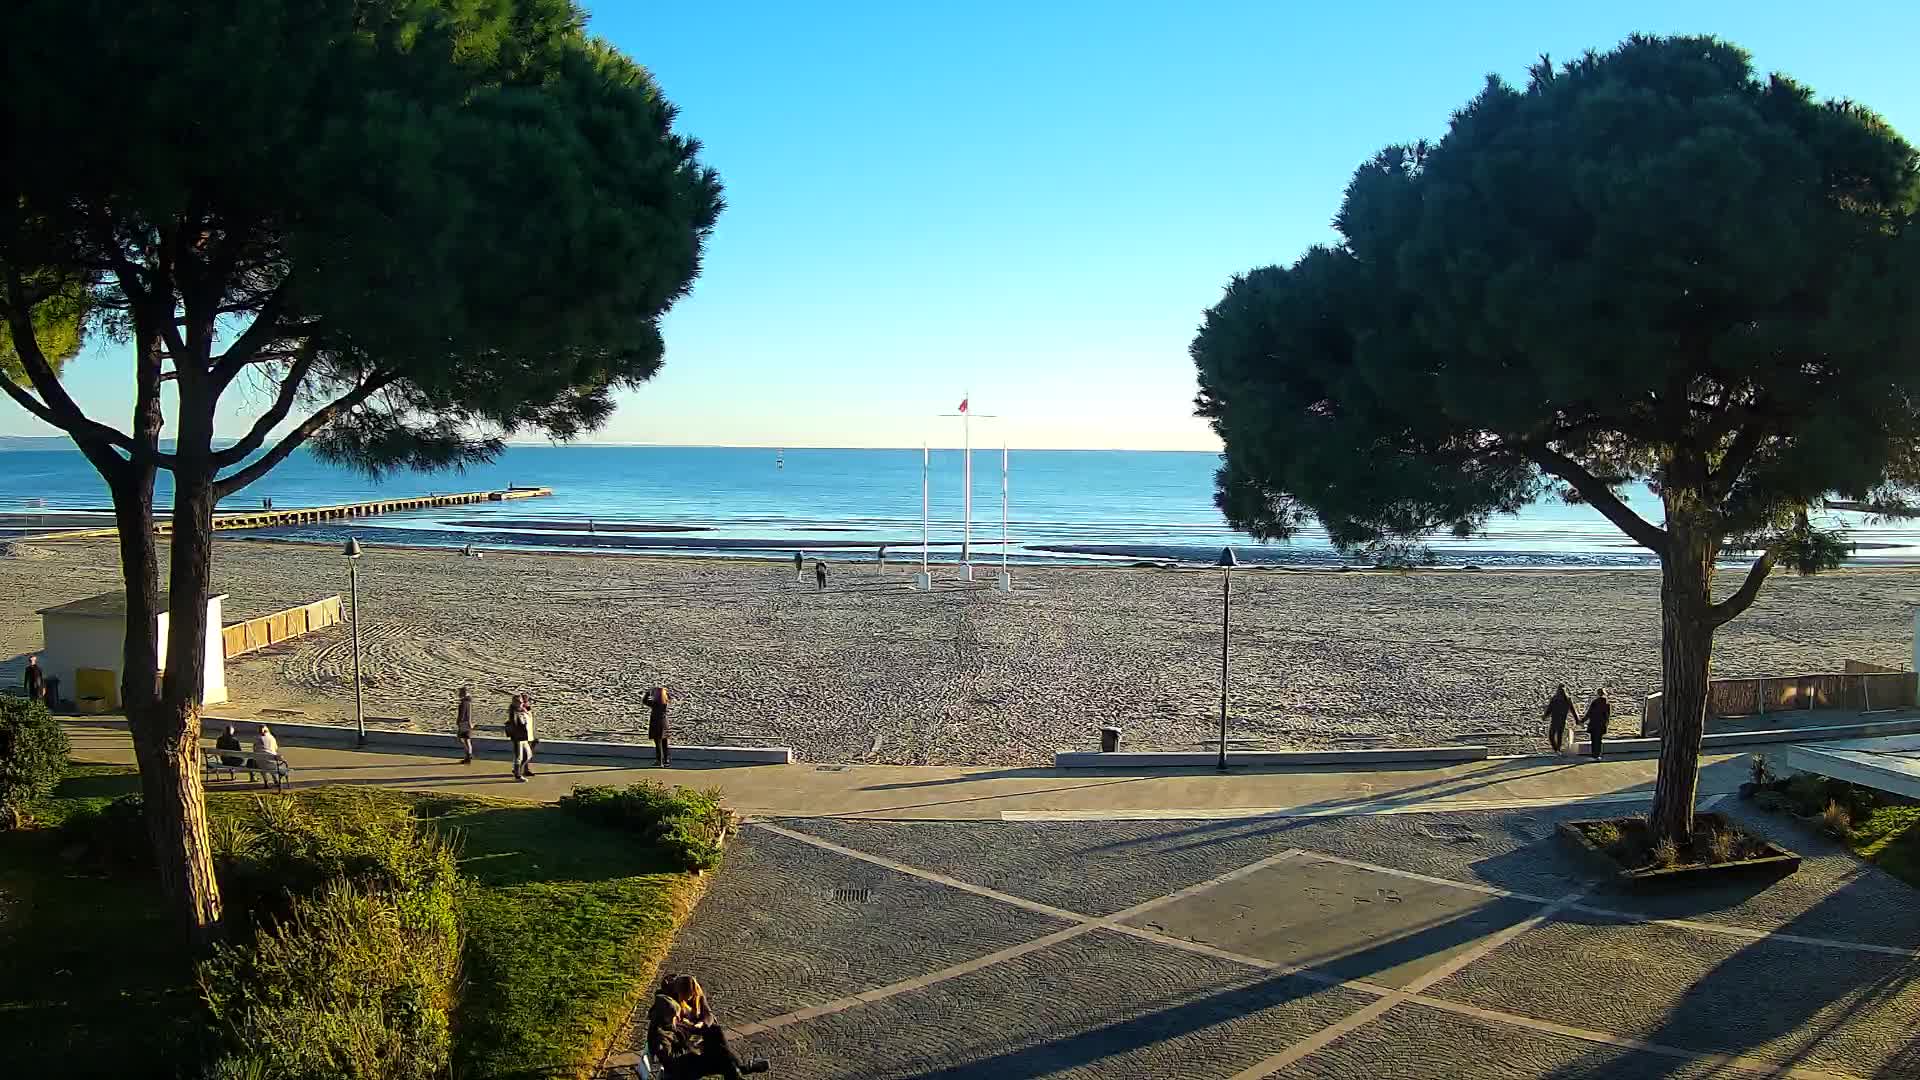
(272,767)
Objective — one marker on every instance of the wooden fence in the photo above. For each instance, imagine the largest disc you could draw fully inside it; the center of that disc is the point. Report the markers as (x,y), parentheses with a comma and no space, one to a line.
(1862,687)
(254,634)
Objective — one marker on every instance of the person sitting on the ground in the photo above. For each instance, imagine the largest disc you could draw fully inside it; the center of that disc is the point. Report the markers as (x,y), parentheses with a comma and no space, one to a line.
(230,741)
(266,749)
(1558,714)
(684,1038)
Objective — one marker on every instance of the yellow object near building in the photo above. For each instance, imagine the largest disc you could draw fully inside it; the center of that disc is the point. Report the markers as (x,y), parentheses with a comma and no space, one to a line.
(96,685)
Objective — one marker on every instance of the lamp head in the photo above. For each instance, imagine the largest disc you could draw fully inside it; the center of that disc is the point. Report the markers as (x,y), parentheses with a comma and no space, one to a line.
(352,550)
(1226,560)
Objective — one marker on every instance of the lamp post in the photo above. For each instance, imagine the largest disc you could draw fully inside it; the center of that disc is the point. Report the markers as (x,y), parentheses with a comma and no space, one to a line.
(1226,562)
(352,552)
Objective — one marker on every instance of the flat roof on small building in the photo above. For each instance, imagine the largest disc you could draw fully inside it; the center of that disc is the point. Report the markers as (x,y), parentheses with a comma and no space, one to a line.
(107,605)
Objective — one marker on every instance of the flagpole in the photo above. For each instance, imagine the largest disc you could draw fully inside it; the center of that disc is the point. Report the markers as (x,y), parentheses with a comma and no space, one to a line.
(966,535)
(1006,579)
(923,581)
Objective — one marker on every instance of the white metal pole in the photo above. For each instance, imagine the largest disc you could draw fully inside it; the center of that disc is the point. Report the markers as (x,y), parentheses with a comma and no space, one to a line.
(966,453)
(1003,508)
(926,465)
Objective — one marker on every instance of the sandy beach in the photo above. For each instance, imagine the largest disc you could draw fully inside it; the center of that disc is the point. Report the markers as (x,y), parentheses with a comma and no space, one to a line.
(871,671)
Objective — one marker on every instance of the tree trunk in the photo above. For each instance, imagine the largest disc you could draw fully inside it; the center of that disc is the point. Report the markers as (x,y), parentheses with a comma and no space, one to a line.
(172,760)
(1686,653)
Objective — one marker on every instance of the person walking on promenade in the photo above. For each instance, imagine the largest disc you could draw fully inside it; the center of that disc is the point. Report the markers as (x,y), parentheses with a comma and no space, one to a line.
(685,1039)
(820,576)
(1558,714)
(657,726)
(463,724)
(520,734)
(36,680)
(1599,713)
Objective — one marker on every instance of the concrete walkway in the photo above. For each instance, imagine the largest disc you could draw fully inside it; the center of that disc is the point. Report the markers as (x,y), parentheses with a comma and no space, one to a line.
(941,793)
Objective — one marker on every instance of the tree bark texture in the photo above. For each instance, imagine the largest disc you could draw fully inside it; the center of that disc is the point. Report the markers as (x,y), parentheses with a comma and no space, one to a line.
(1686,654)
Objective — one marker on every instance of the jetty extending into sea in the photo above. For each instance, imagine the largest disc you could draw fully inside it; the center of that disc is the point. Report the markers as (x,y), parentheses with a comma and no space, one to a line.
(307,515)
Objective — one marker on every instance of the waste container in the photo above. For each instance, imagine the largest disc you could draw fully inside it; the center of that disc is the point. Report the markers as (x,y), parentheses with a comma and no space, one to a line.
(1109,740)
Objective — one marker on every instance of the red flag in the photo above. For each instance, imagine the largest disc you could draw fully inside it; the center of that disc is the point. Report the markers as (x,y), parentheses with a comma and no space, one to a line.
(963,404)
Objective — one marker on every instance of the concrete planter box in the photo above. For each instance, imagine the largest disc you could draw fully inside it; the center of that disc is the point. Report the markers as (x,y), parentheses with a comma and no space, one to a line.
(1775,861)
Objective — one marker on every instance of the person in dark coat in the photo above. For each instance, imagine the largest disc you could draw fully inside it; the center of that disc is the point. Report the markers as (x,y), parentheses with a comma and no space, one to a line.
(657,726)
(799,566)
(230,741)
(1558,714)
(1599,713)
(684,1038)
(36,680)
(463,724)
(820,575)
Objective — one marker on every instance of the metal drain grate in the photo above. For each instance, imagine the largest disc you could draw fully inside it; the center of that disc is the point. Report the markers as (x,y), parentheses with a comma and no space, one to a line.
(852,896)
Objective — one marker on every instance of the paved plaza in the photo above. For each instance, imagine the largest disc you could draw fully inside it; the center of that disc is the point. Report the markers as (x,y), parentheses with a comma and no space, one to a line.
(1380,946)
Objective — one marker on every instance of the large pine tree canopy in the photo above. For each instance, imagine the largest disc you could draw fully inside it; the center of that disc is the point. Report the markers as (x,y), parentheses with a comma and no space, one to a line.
(425,224)
(1648,264)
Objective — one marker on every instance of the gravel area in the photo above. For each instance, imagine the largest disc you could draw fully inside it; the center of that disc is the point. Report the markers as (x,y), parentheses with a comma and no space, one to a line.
(871,671)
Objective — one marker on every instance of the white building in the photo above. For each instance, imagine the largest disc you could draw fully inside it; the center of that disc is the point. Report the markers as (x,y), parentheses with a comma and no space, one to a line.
(86,643)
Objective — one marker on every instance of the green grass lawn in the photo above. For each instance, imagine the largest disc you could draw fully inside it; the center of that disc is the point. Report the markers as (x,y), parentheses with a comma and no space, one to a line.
(565,924)
(1890,838)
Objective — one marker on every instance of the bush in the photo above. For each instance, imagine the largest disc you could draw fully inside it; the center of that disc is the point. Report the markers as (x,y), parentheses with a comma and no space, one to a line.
(1718,845)
(689,825)
(1760,771)
(353,969)
(1808,793)
(1836,821)
(33,753)
(1604,833)
(1773,801)
(353,983)
(114,834)
(1666,852)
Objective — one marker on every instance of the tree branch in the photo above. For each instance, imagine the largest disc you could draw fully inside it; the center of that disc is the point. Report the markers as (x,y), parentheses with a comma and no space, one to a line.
(1599,496)
(1740,454)
(257,336)
(294,439)
(275,414)
(56,407)
(1729,609)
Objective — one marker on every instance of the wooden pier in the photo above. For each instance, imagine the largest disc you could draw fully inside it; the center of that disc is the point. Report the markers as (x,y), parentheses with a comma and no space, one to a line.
(308,515)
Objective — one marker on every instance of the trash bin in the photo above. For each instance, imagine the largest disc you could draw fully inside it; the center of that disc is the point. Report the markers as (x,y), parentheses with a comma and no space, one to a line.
(1109,740)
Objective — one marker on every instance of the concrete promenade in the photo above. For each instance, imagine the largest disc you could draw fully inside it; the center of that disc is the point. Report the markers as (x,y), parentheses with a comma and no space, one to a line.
(941,793)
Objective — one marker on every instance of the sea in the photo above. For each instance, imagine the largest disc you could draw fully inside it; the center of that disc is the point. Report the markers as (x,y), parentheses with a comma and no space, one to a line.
(1060,506)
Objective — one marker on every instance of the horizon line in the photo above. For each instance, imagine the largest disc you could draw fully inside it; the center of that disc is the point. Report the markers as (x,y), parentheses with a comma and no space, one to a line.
(68,441)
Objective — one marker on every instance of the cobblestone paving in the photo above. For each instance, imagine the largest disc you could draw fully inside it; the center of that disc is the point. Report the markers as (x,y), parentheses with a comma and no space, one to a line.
(1170,949)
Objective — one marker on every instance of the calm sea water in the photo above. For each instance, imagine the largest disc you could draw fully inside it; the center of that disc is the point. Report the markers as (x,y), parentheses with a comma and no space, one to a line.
(720,501)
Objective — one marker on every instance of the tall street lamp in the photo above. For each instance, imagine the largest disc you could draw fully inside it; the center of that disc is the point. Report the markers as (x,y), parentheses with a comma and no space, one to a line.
(1226,562)
(352,552)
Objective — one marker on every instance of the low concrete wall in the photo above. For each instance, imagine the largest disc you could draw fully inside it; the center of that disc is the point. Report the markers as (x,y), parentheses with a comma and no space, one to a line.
(245,637)
(342,735)
(1861,688)
(1721,740)
(1191,759)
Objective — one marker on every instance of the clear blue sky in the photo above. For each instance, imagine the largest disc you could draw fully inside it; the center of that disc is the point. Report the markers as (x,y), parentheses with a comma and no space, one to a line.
(1036,201)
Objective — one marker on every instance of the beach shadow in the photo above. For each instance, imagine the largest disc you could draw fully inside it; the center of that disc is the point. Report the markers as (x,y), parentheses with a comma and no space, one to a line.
(981,798)
(968,778)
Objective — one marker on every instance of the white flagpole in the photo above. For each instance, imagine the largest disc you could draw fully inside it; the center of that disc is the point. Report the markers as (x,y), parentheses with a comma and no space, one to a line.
(966,536)
(1003,508)
(926,465)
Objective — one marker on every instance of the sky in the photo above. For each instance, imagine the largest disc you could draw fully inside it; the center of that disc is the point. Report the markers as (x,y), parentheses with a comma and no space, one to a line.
(1034,203)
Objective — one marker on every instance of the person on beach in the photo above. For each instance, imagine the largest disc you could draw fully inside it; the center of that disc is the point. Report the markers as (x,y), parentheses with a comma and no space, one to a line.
(1599,713)
(799,566)
(883,554)
(1558,714)
(265,749)
(520,734)
(685,1039)
(36,680)
(229,741)
(463,724)
(657,726)
(820,576)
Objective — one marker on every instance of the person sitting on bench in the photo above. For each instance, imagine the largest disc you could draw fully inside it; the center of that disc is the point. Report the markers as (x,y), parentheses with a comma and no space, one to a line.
(684,1038)
(267,749)
(230,741)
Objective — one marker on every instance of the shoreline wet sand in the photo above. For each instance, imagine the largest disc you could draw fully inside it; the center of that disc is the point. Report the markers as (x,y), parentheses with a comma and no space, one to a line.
(868,670)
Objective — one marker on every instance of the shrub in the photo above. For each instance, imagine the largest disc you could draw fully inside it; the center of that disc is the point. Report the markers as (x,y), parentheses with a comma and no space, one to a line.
(1666,852)
(275,850)
(33,753)
(1773,801)
(354,983)
(1836,821)
(1762,774)
(1604,833)
(688,825)
(1808,793)
(1718,845)
(113,834)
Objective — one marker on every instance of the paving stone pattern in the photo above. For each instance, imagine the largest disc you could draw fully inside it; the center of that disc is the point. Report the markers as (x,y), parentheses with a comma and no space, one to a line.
(771,940)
